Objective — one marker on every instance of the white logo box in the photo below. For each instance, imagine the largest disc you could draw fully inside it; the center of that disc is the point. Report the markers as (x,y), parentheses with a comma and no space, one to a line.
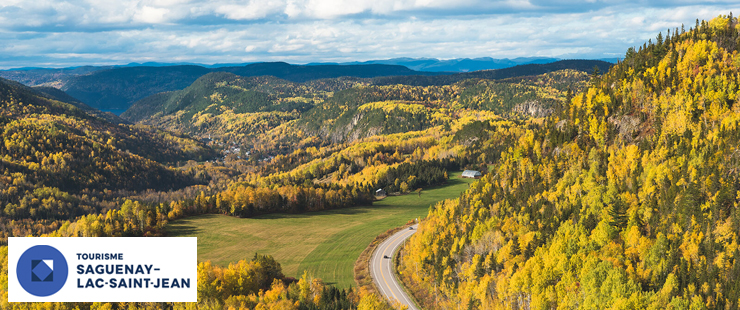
(127,269)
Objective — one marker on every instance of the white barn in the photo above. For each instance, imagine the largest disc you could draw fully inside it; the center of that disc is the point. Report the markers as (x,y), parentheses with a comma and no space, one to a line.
(472,174)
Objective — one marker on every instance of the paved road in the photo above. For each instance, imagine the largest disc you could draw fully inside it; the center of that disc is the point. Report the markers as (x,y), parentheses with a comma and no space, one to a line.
(382,269)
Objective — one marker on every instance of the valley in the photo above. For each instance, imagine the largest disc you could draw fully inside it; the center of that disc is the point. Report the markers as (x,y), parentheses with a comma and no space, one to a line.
(325,243)
(598,185)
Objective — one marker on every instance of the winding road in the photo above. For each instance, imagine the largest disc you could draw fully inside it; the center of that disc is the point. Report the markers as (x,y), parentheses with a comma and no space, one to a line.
(381,268)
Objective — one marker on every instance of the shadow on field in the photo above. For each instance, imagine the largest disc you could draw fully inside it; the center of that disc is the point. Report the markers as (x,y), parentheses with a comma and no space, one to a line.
(180,228)
(308,214)
(457,180)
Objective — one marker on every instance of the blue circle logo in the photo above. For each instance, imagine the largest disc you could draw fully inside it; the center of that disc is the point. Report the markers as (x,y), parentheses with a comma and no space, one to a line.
(42,270)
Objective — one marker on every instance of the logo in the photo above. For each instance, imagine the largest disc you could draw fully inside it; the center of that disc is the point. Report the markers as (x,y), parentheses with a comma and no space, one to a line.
(42,270)
(120,269)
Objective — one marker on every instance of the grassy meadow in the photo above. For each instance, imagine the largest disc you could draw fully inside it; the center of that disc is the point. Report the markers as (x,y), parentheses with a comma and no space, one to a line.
(325,243)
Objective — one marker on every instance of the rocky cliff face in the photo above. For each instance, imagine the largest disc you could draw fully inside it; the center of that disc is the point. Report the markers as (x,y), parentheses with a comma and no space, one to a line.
(628,126)
(533,109)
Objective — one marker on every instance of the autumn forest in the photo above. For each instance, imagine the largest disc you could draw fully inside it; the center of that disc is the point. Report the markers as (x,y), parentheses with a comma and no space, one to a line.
(613,187)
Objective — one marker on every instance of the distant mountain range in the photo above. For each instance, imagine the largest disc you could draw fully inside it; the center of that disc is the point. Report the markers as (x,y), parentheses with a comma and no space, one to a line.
(457,64)
(117,87)
(53,77)
(531,69)
(417,64)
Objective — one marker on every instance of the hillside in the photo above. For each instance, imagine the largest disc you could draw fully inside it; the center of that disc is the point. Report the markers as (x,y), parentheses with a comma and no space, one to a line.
(59,95)
(625,198)
(365,111)
(233,108)
(58,162)
(119,87)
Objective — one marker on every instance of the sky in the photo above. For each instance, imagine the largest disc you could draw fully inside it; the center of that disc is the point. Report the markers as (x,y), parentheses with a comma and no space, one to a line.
(61,33)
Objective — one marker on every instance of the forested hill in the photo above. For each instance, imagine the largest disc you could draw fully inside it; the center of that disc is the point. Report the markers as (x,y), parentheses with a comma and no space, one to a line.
(626,198)
(118,88)
(300,73)
(233,108)
(57,161)
(215,91)
(520,70)
(59,95)
(369,110)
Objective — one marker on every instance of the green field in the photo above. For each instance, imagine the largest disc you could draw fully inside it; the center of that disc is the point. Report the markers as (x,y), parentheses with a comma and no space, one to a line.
(325,243)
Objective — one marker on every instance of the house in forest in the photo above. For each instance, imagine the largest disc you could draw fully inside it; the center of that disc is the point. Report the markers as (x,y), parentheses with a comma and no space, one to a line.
(380,192)
(472,174)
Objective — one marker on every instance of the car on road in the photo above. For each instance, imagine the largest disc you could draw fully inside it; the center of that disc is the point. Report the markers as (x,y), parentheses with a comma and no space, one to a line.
(385,256)
(411,228)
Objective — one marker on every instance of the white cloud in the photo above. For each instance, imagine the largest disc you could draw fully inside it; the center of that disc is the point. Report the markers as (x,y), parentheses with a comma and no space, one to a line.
(40,13)
(254,9)
(150,15)
(76,32)
(281,48)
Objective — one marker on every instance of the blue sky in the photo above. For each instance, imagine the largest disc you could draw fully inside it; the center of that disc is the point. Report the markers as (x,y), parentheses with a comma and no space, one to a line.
(53,33)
